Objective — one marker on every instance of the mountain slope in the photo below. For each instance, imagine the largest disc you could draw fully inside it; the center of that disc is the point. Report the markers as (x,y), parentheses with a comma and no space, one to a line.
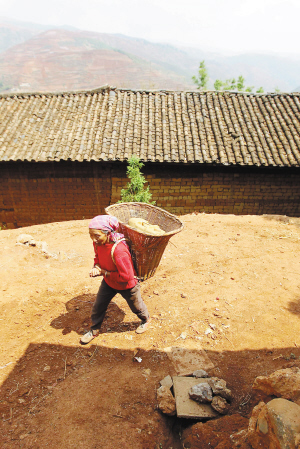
(13,32)
(70,59)
(65,60)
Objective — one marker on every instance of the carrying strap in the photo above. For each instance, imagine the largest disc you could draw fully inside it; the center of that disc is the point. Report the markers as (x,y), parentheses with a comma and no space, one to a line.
(113,249)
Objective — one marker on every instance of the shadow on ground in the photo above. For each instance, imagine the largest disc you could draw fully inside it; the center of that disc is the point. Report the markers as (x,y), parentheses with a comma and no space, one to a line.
(77,317)
(294,307)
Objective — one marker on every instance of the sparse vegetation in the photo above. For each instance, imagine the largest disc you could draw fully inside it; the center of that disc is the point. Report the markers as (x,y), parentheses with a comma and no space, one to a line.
(135,190)
(203,78)
(230,84)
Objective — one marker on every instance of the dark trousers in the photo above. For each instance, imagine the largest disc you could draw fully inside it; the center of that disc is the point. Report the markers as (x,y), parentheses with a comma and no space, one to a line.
(106,294)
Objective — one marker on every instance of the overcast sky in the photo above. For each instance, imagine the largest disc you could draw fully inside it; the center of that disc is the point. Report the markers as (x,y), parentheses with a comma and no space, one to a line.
(227,25)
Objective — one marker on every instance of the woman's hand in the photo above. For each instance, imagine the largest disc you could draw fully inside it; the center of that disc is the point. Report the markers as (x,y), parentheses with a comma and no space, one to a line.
(96,271)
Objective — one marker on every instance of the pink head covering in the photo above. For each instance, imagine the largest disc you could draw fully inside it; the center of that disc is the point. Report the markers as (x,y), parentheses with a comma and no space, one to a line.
(109,224)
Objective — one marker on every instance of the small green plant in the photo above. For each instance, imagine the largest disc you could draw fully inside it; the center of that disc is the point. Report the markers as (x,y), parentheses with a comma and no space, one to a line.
(231,84)
(202,80)
(135,190)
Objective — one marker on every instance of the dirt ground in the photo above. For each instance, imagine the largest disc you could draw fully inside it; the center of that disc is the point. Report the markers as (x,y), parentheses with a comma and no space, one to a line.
(240,273)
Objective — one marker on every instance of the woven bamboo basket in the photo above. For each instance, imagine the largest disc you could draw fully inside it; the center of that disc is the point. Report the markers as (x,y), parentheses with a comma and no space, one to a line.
(146,250)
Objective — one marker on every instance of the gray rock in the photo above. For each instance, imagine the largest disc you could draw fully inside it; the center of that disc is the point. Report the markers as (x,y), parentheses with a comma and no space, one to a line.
(200,373)
(219,388)
(226,394)
(220,405)
(275,425)
(166,401)
(26,239)
(201,393)
(216,384)
(167,382)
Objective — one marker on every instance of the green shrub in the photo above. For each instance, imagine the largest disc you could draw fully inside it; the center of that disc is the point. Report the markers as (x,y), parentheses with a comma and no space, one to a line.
(135,190)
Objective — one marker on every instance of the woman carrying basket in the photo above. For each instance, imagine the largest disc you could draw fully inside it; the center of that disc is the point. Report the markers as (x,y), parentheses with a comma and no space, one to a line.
(118,274)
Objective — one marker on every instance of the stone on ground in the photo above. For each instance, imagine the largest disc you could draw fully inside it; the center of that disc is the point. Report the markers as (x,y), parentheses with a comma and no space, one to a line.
(186,361)
(200,373)
(276,425)
(284,383)
(186,407)
(220,405)
(201,393)
(167,382)
(26,239)
(219,388)
(166,401)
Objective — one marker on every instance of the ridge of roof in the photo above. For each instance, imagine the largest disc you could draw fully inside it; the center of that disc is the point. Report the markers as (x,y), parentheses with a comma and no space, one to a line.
(124,89)
(66,92)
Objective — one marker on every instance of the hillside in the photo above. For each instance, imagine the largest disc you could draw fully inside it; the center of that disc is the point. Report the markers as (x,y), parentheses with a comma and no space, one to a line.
(13,32)
(66,60)
(237,275)
(33,58)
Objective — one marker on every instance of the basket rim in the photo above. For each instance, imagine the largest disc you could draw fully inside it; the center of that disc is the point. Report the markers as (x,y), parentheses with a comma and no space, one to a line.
(175,231)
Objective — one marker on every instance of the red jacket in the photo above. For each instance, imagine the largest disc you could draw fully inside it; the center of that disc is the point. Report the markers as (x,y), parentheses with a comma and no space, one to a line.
(122,273)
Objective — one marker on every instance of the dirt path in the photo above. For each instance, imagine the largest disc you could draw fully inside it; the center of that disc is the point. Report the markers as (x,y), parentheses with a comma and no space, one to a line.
(239,273)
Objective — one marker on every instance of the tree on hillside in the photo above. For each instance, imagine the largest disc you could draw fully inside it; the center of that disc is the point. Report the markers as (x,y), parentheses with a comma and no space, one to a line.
(202,80)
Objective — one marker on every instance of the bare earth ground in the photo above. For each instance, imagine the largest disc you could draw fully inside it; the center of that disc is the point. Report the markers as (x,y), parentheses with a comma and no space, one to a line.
(240,273)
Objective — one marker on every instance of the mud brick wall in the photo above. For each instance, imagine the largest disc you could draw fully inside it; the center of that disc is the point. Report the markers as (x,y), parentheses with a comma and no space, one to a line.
(185,189)
(34,193)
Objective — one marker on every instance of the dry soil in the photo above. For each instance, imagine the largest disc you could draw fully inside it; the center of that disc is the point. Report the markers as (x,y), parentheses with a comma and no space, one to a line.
(238,273)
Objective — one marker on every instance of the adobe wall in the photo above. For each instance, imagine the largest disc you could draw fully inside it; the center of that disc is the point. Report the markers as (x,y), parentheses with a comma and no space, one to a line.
(33,193)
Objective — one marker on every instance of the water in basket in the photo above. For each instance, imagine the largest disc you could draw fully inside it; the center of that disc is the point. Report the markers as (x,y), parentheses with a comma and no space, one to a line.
(146,250)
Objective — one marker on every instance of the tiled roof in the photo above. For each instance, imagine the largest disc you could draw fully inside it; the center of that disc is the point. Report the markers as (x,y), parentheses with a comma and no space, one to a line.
(111,124)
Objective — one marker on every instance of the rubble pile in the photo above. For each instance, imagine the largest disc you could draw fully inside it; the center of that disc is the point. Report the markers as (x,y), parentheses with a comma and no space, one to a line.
(193,396)
(273,424)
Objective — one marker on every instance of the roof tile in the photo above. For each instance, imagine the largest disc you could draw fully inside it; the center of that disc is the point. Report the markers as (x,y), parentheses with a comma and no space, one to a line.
(164,126)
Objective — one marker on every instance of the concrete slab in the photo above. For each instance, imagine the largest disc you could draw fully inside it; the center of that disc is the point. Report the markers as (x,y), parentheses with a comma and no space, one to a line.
(186,407)
(186,361)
